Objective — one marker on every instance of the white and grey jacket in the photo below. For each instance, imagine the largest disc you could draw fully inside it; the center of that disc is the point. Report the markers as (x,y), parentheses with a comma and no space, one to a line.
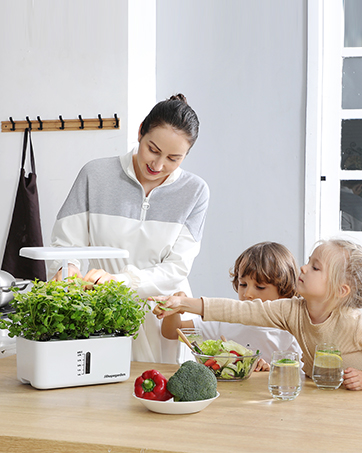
(107,206)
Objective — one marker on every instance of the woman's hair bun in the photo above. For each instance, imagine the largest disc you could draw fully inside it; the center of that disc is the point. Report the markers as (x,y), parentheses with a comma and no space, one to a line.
(178,97)
(176,113)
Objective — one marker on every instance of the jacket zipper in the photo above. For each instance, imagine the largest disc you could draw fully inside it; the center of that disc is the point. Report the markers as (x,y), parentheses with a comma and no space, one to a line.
(145,207)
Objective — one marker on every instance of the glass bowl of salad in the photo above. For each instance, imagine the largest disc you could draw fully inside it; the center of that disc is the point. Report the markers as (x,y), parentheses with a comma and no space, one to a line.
(228,360)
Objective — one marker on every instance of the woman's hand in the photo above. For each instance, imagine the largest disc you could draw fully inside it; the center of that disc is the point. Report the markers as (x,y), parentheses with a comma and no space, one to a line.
(352,379)
(262,365)
(72,270)
(98,276)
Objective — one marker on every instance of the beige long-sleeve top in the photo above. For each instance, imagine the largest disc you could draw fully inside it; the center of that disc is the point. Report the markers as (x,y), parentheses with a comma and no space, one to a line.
(343,329)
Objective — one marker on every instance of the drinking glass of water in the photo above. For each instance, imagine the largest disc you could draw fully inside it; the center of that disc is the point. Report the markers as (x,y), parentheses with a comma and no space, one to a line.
(192,334)
(327,366)
(284,376)
(184,353)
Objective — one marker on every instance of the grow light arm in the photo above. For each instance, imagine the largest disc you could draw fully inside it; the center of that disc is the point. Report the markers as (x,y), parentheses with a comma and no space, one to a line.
(66,253)
(65,269)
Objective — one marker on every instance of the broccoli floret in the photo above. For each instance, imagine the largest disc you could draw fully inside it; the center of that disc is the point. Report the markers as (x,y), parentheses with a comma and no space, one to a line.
(192,382)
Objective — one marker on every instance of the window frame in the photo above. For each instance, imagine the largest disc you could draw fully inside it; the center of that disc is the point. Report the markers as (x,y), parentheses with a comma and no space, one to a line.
(324,115)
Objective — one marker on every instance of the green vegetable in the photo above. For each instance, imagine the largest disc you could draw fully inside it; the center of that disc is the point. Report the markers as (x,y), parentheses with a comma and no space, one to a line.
(164,308)
(159,304)
(192,382)
(225,358)
(232,346)
(229,359)
(216,347)
(228,373)
(211,347)
(66,310)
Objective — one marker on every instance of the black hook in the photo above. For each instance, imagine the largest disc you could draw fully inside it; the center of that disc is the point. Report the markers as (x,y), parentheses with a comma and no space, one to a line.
(40,128)
(29,122)
(81,122)
(117,121)
(62,121)
(100,121)
(12,124)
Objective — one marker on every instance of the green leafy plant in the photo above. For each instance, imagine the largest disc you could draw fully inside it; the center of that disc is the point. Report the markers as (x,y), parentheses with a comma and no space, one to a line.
(67,310)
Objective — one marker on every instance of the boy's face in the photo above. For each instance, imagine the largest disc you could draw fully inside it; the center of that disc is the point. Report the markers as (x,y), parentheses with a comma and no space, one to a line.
(249,289)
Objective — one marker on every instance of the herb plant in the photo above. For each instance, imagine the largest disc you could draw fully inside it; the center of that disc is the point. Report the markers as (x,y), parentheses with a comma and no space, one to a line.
(67,310)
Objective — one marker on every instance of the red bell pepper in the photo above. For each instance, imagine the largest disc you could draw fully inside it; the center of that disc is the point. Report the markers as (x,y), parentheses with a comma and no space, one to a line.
(212,364)
(236,353)
(152,385)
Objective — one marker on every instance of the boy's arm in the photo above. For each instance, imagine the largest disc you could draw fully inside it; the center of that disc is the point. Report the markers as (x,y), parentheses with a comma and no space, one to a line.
(171,323)
(352,379)
(262,365)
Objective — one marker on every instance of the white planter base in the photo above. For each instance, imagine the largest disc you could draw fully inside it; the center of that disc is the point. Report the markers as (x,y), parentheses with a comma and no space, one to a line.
(69,363)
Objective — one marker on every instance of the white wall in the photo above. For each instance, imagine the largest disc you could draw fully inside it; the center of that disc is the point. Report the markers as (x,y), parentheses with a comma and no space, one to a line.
(60,58)
(241,63)
(242,66)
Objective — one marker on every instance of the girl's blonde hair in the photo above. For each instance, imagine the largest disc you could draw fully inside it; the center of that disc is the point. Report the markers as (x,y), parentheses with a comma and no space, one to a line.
(267,262)
(344,266)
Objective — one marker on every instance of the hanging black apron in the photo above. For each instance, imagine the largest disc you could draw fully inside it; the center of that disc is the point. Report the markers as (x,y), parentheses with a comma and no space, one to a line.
(25,227)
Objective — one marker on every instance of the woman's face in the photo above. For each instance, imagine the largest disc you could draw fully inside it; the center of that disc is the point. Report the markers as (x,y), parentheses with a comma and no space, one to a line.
(160,152)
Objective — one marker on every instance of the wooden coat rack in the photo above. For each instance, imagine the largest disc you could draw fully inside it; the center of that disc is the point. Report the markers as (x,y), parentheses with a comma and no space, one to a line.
(61,124)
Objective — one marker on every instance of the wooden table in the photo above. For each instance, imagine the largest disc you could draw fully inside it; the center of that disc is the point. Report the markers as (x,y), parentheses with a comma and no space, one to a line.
(106,418)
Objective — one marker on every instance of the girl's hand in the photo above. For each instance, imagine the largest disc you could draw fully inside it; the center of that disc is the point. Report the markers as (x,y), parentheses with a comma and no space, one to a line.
(169,305)
(166,306)
(352,379)
(262,365)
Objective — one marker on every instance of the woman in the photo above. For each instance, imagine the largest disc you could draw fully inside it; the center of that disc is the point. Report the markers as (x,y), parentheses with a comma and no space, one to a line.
(144,203)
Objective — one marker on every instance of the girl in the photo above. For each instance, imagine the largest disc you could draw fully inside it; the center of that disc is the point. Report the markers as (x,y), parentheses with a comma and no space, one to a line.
(330,285)
(265,271)
(145,203)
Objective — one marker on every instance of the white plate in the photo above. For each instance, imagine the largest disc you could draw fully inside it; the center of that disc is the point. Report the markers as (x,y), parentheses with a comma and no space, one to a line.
(172,407)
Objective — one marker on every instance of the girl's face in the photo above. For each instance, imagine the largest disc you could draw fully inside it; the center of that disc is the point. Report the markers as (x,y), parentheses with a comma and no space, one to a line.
(313,280)
(160,152)
(249,289)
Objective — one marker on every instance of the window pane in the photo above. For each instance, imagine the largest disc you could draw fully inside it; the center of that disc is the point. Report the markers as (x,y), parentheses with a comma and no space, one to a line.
(351,205)
(352,23)
(351,145)
(352,83)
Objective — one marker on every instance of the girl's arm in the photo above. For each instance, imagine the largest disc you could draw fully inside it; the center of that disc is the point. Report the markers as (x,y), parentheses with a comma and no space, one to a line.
(352,379)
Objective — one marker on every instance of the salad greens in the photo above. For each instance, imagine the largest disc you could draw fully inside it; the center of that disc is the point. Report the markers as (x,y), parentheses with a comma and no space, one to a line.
(160,306)
(228,359)
(215,347)
(65,310)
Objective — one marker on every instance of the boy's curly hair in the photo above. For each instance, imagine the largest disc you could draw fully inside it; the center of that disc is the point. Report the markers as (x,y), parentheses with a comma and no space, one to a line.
(267,262)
